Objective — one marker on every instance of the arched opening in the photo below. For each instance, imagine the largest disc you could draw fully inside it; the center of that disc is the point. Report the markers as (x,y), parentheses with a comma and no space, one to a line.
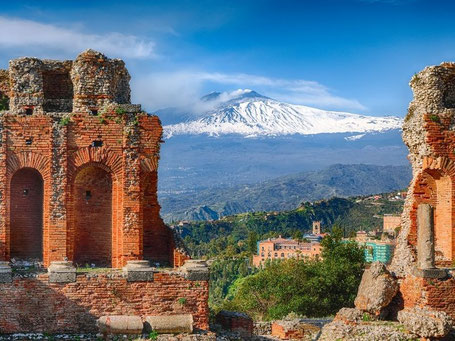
(93,217)
(436,190)
(443,219)
(26,214)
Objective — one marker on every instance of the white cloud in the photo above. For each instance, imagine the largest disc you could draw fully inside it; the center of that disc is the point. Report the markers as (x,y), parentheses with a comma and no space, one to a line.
(183,88)
(20,33)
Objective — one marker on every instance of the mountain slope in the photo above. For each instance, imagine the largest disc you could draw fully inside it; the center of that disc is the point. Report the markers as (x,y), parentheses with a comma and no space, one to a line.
(247,113)
(287,192)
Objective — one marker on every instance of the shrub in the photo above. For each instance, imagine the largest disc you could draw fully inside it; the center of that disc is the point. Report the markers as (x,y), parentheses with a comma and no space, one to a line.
(312,288)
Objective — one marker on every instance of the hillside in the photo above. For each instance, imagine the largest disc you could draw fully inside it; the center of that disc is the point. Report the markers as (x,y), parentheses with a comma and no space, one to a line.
(286,193)
(228,237)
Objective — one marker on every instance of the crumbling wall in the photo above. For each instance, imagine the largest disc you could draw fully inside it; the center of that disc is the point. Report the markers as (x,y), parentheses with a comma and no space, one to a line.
(35,305)
(429,133)
(99,81)
(65,116)
(40,85)
(4,89)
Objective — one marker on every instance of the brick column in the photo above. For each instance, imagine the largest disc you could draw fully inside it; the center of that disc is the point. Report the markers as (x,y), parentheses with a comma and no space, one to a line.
(4,240)
(57,234)
(131,231)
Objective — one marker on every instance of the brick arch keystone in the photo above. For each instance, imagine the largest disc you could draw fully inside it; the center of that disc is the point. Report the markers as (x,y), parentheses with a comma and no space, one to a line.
(28,160)
(95,155)
(149,164)
(441,163)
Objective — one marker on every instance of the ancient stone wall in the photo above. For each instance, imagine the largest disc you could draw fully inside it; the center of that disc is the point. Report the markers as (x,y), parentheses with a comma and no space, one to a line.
(4,84)
(428,131)
(97,155)
(78,186)
(419,290)
(35,305)
(426,244)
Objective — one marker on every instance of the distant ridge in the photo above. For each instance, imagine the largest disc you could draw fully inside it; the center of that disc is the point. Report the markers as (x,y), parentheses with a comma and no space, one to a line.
(285,193)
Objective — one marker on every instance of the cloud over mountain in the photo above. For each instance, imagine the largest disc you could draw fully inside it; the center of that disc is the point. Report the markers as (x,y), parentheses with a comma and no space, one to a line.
(23,33)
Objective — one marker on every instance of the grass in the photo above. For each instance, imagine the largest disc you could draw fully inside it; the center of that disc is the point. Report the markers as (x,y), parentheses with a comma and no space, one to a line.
(94,270)
(435,118)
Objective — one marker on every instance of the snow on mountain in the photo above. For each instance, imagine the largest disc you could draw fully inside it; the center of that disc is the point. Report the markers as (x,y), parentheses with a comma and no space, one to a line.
(247,113)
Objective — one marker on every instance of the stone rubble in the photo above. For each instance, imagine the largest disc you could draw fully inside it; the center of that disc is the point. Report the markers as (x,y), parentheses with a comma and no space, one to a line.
(376,290)
(425,323)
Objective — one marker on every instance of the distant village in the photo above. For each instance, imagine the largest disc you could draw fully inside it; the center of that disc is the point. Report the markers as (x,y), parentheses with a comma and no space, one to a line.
(379,243)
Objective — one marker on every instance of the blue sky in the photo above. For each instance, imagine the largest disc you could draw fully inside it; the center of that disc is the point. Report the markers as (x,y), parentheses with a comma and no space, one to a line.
(353,55)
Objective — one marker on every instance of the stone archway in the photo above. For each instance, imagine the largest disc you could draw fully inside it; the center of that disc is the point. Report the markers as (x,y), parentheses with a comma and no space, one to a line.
(26,214)
(434,187)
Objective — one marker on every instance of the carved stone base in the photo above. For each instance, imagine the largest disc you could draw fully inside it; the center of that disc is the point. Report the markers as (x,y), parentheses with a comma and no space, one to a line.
(61,272)
(6,274)
(139,271)
(195,270)
(430,273)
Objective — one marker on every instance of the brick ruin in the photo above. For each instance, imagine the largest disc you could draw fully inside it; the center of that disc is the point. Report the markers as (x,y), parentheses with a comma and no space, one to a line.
(425,252)
(78,185)
(416,292)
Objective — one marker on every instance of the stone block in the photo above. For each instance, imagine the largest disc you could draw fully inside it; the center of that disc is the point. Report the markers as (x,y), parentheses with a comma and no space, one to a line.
(195,270)
(235,322)
(169,324)
(430,273)
(62,272)
(139,271)
(376,290)
(6,274)
(130,108)
(349,315)
(425,322)
(295,329)
(120,324)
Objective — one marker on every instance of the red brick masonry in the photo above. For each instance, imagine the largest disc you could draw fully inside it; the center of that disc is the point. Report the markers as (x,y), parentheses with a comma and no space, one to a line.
(35,305)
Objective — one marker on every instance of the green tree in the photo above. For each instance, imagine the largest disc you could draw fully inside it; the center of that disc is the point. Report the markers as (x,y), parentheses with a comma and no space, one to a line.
(297,235)
(311,288)
(252,241)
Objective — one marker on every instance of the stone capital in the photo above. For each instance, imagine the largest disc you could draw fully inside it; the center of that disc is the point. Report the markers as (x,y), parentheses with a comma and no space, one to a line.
(61,272)
(139,271)
(6,273)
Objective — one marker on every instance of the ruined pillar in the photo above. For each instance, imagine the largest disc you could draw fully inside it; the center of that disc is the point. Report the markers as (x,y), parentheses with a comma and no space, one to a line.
(55,235)
(425,237)
(425,244)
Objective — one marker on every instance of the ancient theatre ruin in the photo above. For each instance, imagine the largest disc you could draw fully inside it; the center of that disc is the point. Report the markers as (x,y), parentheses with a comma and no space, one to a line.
(78,187)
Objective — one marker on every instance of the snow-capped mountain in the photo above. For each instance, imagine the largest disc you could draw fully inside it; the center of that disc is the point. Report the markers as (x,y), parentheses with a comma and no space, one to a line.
(247,113)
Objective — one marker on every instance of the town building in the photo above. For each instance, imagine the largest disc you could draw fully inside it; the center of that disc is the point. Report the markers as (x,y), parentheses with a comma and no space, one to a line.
(282,248)
(391,223)
(316,227)
(378,251)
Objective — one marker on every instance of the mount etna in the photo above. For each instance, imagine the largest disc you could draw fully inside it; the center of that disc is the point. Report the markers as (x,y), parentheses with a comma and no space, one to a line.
(242,137)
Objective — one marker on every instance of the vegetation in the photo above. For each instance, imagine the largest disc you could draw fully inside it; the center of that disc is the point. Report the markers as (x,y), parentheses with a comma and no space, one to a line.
(311,288)
(286,193)
(120,111)
(4,102)
(223,273)
(236,236)
(64,121)
(435,118)
(314,288)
